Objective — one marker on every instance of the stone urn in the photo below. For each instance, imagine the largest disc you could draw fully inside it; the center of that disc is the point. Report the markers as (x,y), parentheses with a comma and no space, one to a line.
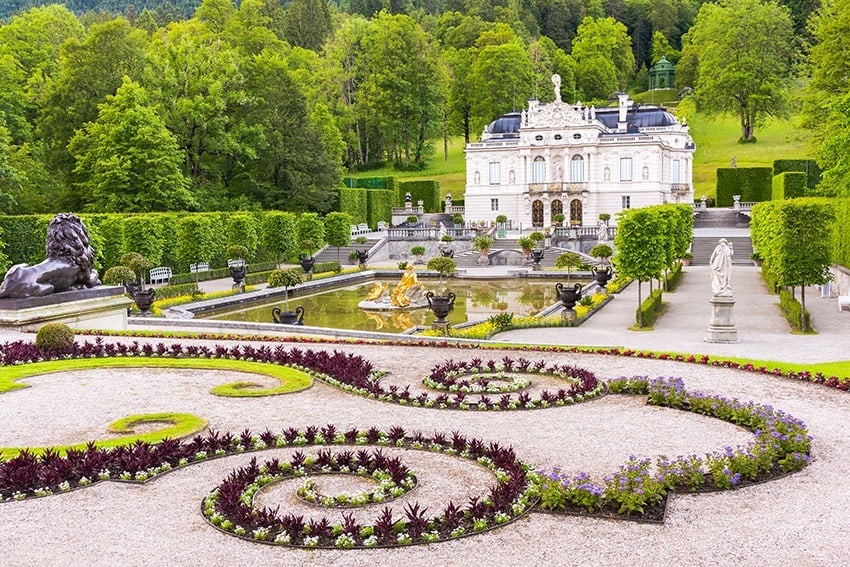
(288,317)
(238,274)
(441,305)
(537,257)
(307,264)
(447,253)
(602,274)
(144,299)
(569,296)
(362,256)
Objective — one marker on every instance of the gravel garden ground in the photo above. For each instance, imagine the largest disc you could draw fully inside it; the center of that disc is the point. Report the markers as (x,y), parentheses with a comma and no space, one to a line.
(797,519)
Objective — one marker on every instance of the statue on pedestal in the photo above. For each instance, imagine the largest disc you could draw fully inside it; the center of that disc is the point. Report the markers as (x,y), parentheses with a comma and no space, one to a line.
(721,269)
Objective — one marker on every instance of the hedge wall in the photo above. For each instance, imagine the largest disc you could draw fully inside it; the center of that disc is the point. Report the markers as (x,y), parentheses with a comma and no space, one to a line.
(840,245)
(379,206)
(809,168)
(23,237)
(426,190)
(354,203)
(753,184)
(365,183)
(789,185)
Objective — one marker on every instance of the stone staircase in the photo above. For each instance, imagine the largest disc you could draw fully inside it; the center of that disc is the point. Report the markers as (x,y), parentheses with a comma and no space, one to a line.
(703,246)
(506,251)
(329,253)
(721,218)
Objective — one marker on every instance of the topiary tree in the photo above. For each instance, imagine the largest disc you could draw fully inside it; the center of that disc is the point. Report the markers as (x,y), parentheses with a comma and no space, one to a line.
(285,279)
(137,263)
(568,261)
(195,240)
(482,243)
(279,235)
(602,251)
(443,266)
(338,230)
(527,244)
(311,232)
(118,275)
(640,244)
(242,231)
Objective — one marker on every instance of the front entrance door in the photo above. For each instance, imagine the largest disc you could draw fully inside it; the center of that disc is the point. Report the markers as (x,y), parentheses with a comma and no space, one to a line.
(557,208)
(537,213)
(575,212)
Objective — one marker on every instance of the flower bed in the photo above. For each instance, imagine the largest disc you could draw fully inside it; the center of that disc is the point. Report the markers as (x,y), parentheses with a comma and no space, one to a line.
(230,506)
(461,378)
(780,445)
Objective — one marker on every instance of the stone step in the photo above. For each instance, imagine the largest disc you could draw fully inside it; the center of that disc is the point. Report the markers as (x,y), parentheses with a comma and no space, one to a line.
(703,246)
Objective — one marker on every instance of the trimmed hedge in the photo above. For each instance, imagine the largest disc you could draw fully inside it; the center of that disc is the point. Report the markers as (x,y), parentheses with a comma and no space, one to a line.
(808,167)
(379,206)
(426,190)
(24,237)
(354,203)
(321,267)
(840,245)
(650,308)
(753,184)
(789,185)
(365,183)
(791,309)
(674,277)
(167,291)
(219,273)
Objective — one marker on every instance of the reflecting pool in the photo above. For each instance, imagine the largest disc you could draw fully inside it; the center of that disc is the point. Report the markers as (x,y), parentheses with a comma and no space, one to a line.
(476,301)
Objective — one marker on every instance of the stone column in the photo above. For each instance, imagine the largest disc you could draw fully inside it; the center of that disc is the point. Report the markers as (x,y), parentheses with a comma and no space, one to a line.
(721,327)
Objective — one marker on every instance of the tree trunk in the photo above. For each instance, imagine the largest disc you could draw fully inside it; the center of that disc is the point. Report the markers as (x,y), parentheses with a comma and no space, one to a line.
(639,312)
(803,324)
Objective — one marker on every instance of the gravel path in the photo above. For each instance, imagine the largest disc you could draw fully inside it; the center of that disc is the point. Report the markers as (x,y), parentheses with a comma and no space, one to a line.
(799,520)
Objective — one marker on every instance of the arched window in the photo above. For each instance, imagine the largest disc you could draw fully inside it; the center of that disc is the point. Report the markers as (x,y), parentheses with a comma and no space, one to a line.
(577,169)
(575,212)
(538,172)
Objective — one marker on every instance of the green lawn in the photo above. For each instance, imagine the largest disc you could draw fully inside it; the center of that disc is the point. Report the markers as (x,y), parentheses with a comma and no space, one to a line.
(716,140)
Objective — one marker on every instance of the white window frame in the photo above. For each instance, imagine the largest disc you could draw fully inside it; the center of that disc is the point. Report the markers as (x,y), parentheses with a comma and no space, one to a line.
(495,173)
(577,169)
(625,169)
(538,170)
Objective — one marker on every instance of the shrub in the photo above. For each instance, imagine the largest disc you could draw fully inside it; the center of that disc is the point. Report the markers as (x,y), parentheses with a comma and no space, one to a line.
(650,309)
(558,218)
(54,338)
(502,219)
(285,278)
(412,219)
(482,242)
(118,275)
(442,265)
(417,250)
(526,243)
(537,236)
(237,251)
(457,218)
(602,251)
(791,310)
(447,238)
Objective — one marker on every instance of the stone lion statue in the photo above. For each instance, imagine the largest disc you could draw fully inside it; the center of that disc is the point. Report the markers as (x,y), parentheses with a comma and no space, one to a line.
(68,264)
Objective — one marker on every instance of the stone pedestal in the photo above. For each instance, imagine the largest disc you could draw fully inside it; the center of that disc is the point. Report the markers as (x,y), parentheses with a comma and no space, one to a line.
(721,328)
(103,307)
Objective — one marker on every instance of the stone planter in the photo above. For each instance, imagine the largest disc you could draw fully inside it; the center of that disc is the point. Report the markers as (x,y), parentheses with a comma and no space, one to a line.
(569,296)
(441,305)
(602,274)
(306,263)
(238,274)
(288,317)
(144,299)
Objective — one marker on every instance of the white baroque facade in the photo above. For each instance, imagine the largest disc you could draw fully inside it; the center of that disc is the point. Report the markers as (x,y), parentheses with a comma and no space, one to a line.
(578,161)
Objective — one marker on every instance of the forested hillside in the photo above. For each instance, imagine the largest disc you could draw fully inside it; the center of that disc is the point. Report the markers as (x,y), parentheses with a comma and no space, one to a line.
(120,106)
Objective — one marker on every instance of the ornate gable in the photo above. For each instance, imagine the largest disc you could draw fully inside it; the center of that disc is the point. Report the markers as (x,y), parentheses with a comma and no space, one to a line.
(553,115)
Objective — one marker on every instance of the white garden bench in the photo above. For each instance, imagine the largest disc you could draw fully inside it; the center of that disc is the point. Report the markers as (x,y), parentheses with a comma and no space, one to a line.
(199,267)
(843,301)
(363,228)
(160,275)
(382,226)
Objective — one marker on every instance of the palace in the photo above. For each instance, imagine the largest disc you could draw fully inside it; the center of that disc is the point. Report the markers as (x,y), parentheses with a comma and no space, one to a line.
(561,158)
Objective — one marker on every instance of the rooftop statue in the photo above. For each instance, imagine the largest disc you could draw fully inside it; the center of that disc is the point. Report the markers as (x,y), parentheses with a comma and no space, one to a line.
(68,264)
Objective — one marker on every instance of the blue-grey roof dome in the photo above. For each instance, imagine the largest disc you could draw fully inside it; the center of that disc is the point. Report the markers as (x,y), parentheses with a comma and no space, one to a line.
(652,116)
(505,126)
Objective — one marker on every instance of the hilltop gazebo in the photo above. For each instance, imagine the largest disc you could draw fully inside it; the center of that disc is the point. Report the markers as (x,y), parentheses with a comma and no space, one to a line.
(662,75)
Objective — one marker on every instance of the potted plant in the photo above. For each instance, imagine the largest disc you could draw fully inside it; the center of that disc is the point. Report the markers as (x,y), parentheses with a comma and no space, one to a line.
(604,217)
(238,268)
(501,229)
(120,275)
(418,251)
(569,296)
(443,303)
(457,219)
(483,243)
(526,243)
(558,219)
(139,264)
(445,249)
(286,279)
(687,258)
(602,272)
